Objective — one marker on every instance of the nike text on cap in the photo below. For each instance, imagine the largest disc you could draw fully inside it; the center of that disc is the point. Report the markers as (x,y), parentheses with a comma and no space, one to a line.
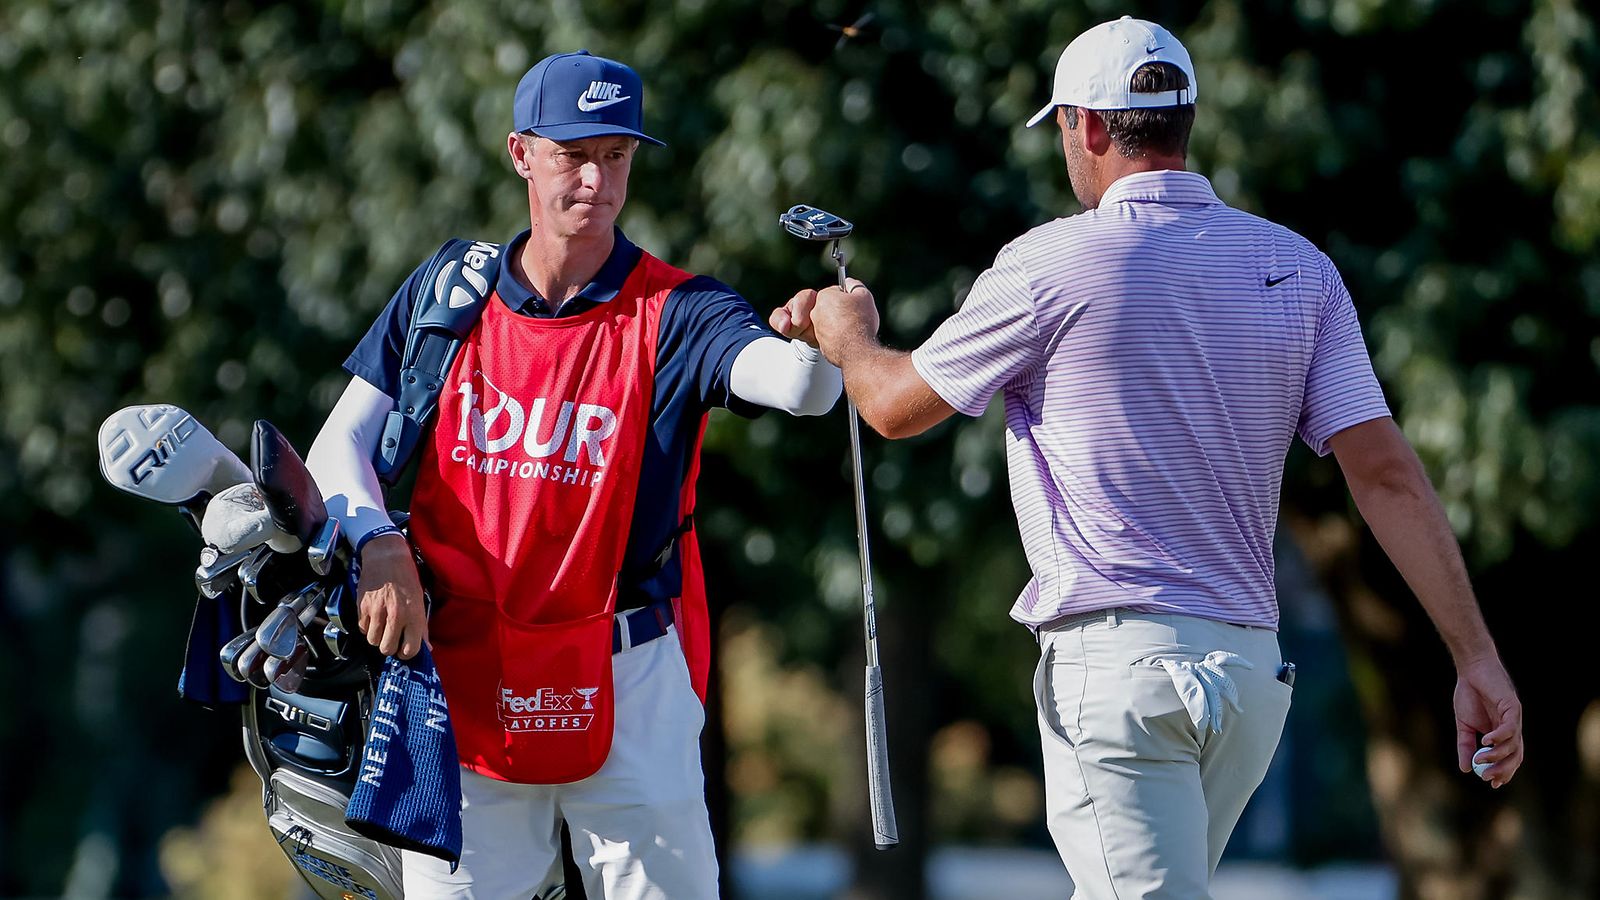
(571,96)
(1096,70)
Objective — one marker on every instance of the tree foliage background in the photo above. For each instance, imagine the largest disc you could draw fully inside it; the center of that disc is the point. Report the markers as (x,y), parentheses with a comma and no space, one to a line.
(205,203)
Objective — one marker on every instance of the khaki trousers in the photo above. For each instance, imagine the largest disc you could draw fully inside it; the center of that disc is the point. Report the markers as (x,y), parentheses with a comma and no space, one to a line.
(1139,798)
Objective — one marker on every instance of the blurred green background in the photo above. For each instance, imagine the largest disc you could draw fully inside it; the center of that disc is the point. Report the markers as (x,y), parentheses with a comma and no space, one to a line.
(205,203)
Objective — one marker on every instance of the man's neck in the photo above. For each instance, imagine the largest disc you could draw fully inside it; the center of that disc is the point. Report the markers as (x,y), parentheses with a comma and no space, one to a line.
(1116,168)
(1119,167)
(557,267)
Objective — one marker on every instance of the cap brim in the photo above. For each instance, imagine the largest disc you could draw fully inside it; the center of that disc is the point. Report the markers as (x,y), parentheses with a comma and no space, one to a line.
(577,131)
(1039,116)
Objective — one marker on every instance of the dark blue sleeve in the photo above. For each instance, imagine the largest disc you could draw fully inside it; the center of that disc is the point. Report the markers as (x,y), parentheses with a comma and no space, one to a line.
(376,359)
(704,325)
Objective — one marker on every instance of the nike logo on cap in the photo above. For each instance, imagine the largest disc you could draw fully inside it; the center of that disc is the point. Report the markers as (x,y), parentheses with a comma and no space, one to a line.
(600,95)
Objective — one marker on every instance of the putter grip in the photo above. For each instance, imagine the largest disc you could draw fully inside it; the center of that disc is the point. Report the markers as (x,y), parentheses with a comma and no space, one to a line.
(884,832)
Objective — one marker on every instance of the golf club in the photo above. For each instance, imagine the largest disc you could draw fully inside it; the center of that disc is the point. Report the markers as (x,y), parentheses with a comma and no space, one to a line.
(280,632)
(338,641)
(161,453)
(289,674)
(233,653)
(252,664)
(324,545)
(250,571)
(217,570)
(238,519)
(812,224)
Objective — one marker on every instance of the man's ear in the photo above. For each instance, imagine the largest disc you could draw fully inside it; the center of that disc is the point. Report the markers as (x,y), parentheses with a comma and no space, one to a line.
(518,149)
(1096,138)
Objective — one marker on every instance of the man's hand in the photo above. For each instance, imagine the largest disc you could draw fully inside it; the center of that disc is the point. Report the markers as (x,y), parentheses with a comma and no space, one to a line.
(392,613)
(793,319)
(839,318)
(1487,704)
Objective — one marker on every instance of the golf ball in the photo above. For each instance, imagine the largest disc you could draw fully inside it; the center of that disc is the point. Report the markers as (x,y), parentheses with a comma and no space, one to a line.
(1479,766)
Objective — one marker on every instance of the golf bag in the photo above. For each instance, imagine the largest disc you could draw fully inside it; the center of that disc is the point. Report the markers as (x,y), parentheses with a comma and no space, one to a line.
(306,744)
(306,747)
(307,701)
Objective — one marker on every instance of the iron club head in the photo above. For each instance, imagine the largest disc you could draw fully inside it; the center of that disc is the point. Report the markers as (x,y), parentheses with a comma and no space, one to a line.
(250,570)
(218,570)
(233,653)
(339,642)
(324,544)
(288,674)
(252,665)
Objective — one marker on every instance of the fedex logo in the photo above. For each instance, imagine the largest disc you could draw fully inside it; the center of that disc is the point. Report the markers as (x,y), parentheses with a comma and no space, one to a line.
(547,709)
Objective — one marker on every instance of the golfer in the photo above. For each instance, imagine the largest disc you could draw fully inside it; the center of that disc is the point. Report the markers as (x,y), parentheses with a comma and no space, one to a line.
(554,504)
(1158,353)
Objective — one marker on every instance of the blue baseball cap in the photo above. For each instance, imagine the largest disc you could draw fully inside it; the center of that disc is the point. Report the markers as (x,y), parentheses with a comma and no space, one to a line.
(571,96)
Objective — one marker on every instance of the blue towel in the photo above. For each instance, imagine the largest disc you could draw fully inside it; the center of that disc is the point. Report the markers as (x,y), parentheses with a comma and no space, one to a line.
(408,794)
(215,623)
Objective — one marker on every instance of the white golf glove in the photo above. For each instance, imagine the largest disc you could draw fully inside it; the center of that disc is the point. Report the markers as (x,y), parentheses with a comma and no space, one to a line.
(1206,690)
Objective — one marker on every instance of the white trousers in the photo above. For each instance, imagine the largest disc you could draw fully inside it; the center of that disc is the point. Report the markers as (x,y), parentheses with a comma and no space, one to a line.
(639,825)
(1141,799)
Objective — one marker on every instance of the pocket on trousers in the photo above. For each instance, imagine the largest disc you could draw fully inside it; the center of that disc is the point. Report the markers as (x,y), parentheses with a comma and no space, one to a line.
(1153,697)
(1048,698)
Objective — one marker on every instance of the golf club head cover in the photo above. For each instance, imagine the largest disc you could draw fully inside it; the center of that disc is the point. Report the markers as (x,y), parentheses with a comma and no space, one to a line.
(161,453)
(237,519)
(286,484)
(410,796)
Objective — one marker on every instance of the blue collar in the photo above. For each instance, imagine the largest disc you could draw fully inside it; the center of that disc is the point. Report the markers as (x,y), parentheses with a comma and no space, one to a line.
(520,298)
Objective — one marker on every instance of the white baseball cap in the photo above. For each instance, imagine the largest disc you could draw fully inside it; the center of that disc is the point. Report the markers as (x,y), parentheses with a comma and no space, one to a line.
(1096,70)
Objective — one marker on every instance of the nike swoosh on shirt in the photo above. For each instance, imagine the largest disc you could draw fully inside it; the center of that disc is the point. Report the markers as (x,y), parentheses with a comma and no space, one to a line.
(1274,282)
(587,105)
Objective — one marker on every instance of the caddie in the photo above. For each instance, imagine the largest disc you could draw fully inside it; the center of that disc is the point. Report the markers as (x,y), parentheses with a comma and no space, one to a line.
(1158,354)
(554,505)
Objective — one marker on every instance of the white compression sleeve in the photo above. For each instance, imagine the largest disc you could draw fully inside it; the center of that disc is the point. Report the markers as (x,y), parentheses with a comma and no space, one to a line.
(788,375)
(341,460)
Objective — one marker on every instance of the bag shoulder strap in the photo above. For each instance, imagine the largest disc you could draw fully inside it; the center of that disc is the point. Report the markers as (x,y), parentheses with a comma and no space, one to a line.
(450,299)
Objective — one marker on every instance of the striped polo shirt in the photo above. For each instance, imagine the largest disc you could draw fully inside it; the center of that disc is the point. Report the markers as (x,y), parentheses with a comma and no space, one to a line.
(1157,354)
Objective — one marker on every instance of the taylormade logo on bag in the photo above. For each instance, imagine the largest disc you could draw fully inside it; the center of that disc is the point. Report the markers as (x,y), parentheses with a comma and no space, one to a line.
(542,433)
(547,709)
(472,265)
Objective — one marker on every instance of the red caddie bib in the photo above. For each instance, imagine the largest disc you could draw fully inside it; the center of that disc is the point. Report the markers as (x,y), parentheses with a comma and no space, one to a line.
(522,508)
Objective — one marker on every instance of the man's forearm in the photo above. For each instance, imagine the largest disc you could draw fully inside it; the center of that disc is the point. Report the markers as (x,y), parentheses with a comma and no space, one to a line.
(341,460)
(787,375)
(889,393)
(1404,513)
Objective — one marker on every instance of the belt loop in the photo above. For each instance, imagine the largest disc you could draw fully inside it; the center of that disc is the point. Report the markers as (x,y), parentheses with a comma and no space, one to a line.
(624,633)
(1112,619)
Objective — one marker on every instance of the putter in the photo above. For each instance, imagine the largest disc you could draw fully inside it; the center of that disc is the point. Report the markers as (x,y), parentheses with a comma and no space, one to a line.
(812,224)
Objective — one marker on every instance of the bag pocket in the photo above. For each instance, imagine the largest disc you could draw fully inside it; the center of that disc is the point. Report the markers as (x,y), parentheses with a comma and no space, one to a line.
(307,820)
(556,706)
